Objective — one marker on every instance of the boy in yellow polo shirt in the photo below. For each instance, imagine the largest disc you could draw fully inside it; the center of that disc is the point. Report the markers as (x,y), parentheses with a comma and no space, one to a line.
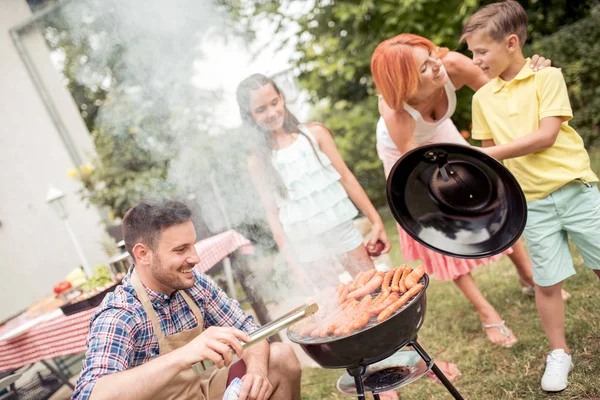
(524,115)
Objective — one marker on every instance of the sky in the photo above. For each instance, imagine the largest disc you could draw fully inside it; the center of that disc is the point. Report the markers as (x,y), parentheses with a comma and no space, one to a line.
(227,64)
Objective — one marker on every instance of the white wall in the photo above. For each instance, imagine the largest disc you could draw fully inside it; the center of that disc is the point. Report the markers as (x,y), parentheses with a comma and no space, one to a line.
(35,250)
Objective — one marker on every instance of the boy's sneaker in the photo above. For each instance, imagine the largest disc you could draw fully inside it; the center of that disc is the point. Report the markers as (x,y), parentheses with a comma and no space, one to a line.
(558,366)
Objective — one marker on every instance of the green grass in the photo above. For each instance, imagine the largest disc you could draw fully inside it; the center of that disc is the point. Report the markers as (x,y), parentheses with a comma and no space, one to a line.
(452,332)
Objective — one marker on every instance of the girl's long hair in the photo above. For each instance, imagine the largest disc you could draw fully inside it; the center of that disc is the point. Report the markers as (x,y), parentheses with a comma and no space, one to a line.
(265,142)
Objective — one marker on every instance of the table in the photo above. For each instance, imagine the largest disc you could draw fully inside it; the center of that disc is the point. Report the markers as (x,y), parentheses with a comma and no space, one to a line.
(217,248)
(55,338)
(66,335)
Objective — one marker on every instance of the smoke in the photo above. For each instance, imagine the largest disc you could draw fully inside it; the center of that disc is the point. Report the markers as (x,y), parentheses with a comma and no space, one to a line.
(155,81)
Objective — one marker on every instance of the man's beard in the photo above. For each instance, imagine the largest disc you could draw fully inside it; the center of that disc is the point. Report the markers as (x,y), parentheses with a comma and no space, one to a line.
(167,278)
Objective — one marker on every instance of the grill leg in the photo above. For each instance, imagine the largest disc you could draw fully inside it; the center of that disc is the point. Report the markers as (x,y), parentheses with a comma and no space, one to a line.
(357,373)
(436,371)
(375,396)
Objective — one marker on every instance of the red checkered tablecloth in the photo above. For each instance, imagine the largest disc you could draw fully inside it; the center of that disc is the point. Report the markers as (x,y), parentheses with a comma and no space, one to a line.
(216,248)
(66,335)
(57,337)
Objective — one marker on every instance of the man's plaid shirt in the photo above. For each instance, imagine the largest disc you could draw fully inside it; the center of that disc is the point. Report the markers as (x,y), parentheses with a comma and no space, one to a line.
(121,335)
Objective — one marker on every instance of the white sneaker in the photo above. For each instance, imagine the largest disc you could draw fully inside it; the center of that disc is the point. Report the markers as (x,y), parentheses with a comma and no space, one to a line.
(558,366)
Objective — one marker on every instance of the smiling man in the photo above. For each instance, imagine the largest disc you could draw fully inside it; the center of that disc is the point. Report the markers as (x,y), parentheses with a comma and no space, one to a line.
(165,317)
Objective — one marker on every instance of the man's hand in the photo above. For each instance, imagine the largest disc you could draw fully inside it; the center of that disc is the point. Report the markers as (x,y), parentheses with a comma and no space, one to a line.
(256,385)
(215,344)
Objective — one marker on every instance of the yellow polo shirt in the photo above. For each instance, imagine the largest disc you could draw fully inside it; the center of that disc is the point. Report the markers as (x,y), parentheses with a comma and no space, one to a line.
(505,111)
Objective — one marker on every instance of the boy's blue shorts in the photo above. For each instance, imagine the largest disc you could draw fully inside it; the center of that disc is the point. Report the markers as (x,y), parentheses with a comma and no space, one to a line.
(572,210)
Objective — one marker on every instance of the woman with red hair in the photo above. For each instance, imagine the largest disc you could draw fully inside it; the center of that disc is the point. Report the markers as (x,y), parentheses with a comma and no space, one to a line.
(417,82)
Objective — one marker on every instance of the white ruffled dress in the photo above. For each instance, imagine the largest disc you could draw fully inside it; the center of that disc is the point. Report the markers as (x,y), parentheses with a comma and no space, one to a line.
(317,214)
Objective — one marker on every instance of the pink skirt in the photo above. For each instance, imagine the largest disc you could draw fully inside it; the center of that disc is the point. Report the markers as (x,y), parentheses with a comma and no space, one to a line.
(441,266)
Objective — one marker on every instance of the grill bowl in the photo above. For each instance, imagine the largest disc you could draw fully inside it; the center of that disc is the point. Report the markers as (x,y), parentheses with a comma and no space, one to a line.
(372,344)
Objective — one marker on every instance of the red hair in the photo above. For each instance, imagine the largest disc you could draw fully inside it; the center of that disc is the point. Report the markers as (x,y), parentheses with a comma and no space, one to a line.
(395,71)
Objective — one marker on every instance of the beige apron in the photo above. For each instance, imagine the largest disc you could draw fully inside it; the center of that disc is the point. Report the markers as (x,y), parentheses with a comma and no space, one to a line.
(187,385)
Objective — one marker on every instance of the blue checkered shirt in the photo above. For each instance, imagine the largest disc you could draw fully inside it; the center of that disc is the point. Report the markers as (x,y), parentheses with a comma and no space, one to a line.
(121,334)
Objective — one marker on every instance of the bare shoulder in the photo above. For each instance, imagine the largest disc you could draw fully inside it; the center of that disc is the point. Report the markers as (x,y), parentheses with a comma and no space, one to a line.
(461,70)
(397,117)
(456,63)
(390,115)
(318,130)
(454,60)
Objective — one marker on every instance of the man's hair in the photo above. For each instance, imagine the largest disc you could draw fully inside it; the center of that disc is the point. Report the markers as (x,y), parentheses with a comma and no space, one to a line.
(395,70)
(144,222)
(498,20)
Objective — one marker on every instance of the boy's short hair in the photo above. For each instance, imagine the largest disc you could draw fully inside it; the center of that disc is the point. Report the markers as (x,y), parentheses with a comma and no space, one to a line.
(498,20)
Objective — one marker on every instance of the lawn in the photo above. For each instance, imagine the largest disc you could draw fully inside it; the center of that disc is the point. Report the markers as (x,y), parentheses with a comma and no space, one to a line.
(452,332)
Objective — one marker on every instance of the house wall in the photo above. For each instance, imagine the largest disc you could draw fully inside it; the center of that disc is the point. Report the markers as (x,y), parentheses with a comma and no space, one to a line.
(35,249)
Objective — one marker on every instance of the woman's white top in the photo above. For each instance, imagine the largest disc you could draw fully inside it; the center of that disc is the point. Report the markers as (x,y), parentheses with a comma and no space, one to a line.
(424,130)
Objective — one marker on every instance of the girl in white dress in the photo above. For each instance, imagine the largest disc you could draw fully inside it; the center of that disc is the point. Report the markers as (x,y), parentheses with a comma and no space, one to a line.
(308,192)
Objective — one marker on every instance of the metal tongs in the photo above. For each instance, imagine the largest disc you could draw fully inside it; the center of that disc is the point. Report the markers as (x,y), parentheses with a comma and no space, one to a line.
(266,331)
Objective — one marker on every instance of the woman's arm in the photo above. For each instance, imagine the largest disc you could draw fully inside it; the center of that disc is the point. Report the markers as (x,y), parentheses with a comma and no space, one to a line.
(400,126)
(462,71)
(355,191)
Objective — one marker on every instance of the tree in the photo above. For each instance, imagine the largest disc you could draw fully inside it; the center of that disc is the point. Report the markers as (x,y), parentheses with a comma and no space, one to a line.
(129,67)
(336,38)
(576,48)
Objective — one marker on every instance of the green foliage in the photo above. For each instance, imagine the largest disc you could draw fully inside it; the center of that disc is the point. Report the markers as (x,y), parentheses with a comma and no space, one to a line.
(354,134)
(336,41)
(129,74)
(100,277)
(336,38)
(576,49)
(128,67)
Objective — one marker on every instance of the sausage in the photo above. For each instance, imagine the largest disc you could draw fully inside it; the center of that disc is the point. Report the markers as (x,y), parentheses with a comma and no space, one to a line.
(380,297)
(368,288)
(402,283)
(344,293)
(347,315)
(336,318)
(362,279)
(378,308)
(308,328)
(357,279)
(339,289)
(396,279)
(413,277)
(385,314)
(348,318)
(362,320)
(351,286)
(365,303)
(387,280)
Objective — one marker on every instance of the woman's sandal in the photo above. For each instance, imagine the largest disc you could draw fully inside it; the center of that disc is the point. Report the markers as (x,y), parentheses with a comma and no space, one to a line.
(503,330)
